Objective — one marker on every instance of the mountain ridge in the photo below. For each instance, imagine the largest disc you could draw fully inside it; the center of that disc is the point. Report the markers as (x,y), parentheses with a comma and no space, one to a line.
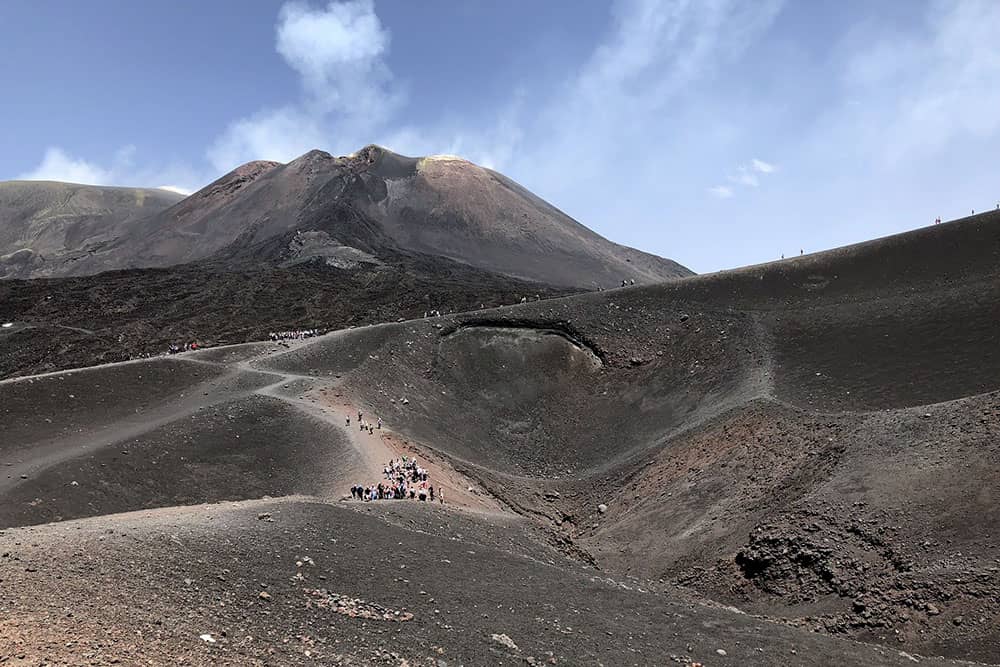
(44,220)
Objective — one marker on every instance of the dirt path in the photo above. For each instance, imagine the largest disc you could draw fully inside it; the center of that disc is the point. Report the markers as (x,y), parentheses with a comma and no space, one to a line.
(324,399)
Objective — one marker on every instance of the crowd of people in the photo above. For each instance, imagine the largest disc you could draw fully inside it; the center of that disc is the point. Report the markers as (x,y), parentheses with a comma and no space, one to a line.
(297,334)
(403,479)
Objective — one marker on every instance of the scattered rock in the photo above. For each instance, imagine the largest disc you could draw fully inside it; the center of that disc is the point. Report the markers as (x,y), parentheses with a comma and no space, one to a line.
(602,508)
(504,640)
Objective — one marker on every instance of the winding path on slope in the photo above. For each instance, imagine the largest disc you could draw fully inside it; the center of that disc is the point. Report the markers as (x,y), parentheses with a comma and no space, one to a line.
(316,398)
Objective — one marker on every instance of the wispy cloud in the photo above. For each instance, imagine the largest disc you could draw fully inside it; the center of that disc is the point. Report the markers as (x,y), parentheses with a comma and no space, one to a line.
(347,91)
(615,124)
(747,175)
(926,87)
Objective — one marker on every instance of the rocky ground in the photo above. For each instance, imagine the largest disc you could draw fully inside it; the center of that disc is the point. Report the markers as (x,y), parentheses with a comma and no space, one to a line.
(766,466)
(298,582)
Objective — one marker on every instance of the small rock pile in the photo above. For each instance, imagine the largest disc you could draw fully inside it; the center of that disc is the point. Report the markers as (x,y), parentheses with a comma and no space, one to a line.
(355,607)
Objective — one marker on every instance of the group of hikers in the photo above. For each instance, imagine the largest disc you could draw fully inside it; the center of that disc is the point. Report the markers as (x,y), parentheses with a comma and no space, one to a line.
(937,220)
(187,347)
(404,479)
(366,426)
(297,334)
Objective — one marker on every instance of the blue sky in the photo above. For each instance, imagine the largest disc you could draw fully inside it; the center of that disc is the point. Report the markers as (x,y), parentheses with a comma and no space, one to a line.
(716,132)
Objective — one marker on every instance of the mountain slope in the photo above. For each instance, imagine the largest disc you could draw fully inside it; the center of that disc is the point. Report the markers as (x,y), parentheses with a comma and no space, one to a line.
(377,200)
(44,220)
(813,441)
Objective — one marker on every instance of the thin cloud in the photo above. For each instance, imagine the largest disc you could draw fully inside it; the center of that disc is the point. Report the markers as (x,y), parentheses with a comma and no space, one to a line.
(721,191)
(747,175)
(623,95)
(744,176)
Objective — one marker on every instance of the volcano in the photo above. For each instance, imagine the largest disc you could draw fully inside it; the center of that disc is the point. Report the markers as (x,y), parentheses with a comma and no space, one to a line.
(362,205)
